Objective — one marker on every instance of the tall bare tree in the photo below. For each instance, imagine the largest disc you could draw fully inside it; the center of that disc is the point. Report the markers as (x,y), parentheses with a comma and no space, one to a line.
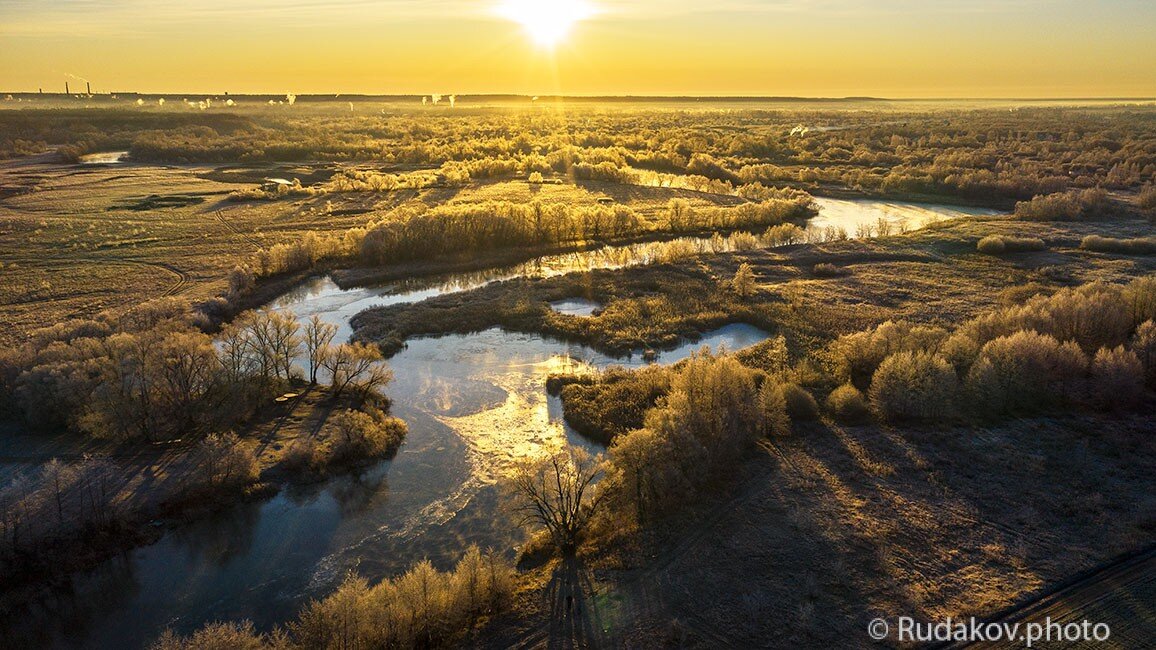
(318,336)
(357,367)
(558,494)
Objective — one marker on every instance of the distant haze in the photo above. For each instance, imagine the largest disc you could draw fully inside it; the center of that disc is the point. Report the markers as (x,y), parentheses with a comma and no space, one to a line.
(892,48)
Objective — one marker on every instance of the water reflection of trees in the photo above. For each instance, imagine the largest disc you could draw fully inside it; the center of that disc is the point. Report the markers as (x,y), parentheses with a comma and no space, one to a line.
(356,494)
(220,538)
(73,608)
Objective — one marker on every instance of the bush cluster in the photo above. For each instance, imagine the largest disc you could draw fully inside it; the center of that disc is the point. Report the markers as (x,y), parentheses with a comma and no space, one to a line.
(1083,205)
(996,244)
(1134,246)
(1091,346)
(423,608)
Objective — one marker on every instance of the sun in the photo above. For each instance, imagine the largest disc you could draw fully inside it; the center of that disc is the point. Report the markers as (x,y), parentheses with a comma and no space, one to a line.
(546,21)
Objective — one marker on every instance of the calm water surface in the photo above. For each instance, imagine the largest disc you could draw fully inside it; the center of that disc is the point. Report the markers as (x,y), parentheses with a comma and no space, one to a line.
(476,404)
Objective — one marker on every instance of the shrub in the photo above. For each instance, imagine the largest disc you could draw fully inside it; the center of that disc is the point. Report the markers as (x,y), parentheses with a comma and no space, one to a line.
(744,283)
(226,460)
(1024,373)
(828,270)
(771,356)
(1144,346)
(424,608)
(1140,298)
(997,244)
(712,399)
(914,386)
(960,350)
(365,434)
(643,475)
(221,636)
(784,235)
(992,244)
(801,405)
(1147,197)
(858,355)
(1085,205)
(1136,246)
(241,280)
(1094,315)
(847,405)
(711,416)
(304,455)
(1117,378)
(773,407)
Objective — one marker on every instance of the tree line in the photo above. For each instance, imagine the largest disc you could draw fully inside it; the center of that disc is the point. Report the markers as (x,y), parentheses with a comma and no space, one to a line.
(419,233)
(671,430)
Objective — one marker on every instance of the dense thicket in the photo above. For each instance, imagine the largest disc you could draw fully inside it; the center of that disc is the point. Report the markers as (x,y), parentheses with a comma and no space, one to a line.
(984,154)
(150,373)
(420,233)
(1083,205)
(1084,346)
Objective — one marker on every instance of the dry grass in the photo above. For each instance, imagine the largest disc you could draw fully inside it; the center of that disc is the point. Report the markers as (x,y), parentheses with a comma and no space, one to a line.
(837,525)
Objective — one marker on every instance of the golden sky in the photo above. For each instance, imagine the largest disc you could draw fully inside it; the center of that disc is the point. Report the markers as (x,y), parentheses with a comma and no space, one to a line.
(885,48)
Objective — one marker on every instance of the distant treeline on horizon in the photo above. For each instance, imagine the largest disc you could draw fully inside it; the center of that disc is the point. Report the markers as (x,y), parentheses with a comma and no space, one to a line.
(318,97)
(505,97)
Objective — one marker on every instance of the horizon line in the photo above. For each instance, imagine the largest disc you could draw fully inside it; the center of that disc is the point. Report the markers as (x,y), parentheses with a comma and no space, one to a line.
(315,96)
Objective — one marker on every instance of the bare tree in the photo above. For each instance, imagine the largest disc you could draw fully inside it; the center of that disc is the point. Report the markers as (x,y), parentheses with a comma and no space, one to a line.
(355,366)
(226,460)
(557,493)
(318,336)
(188,368)
(274,342)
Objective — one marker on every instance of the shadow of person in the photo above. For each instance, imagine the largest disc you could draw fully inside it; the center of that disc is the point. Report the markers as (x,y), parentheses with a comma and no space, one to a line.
(574,617)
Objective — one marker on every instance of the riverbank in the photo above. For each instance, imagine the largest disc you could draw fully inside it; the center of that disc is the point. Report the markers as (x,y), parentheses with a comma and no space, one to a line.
(157,497)
(657,305)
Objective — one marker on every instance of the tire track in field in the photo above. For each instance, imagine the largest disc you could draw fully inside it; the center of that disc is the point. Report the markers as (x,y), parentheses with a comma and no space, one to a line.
(1118,593)
(183,278)
(235,230)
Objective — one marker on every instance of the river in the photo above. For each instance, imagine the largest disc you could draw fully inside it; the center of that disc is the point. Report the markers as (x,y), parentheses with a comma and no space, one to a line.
(476,404)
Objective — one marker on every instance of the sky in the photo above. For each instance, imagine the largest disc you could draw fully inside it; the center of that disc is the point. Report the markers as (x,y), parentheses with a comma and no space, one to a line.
(813,48)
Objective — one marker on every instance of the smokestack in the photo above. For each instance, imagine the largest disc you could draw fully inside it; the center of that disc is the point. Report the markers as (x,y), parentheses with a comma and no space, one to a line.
(89,85)
(66,91)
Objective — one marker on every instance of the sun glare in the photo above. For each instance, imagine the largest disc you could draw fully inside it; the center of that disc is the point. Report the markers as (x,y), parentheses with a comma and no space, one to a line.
(546,21)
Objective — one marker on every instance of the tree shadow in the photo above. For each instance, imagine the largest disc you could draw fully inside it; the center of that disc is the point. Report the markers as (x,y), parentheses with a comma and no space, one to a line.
(575,621)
